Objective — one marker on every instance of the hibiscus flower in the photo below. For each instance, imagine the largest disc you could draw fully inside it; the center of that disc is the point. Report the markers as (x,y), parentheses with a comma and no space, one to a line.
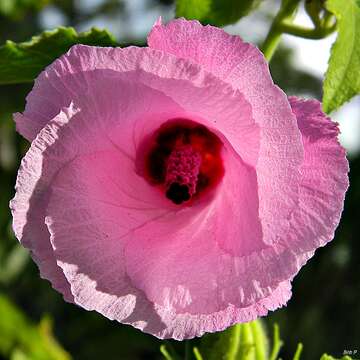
(174,187)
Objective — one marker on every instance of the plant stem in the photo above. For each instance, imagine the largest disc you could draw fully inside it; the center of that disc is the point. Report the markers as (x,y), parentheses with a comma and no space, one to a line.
(307,33)
(328,19)
(286,12)
(283,24)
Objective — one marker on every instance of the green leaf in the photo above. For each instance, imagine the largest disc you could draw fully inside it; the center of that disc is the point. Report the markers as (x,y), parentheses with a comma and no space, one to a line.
(240,342)
(22,62)
(215,12)
(342,80)
(20,339)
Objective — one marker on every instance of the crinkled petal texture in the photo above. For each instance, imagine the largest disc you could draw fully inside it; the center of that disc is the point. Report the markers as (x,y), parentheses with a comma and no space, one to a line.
(111,242)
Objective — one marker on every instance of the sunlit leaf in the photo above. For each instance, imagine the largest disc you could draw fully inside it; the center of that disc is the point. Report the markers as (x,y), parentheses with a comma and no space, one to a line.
(22,62)
(342,80)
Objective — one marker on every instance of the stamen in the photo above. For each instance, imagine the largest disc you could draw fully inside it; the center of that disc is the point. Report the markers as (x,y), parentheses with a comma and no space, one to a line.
(182,170)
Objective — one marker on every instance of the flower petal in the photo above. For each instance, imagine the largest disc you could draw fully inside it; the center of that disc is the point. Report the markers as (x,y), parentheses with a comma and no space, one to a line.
(72,77)
(103,122)
(28,209)
(243,66)
(184,326)
(98,241)
(89,133)
(93,234)
(100,234)
(324,179)
(212,238)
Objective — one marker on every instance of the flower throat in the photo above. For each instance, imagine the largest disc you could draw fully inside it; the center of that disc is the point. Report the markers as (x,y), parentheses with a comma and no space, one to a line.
(184,160)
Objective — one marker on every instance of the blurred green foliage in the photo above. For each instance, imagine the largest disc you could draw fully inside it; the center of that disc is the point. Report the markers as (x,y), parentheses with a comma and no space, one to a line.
(323,313)
(16,9)
(215,12)
(20,339)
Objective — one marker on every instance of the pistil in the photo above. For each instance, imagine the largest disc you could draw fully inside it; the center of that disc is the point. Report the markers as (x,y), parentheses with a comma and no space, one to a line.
(182,170)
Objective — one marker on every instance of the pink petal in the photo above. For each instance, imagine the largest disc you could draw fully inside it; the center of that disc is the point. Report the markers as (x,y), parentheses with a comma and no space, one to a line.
(108,118)
(41,164)
(71,76)
(93,235)
(243,66)
(96,219)
(324,178)
(180,326)
(286,219)
(28,209)
(94,232)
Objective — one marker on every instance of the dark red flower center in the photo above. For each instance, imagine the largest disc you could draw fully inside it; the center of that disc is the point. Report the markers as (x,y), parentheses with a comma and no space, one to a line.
(184,159)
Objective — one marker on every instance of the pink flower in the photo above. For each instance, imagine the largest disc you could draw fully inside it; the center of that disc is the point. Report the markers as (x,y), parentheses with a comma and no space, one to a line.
(174,187)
